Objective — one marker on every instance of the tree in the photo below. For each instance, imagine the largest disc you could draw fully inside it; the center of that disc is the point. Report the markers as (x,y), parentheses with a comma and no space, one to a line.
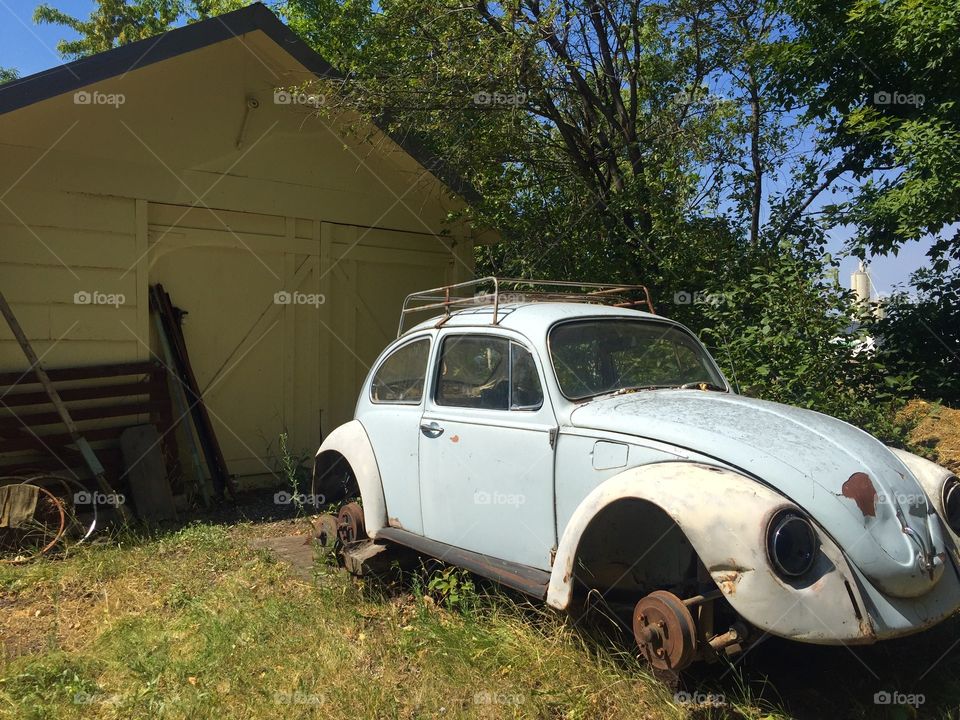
(118,22)
(8,74)
(880,79)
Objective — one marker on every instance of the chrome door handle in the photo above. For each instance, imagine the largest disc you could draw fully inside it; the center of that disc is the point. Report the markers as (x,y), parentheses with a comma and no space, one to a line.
(431,430)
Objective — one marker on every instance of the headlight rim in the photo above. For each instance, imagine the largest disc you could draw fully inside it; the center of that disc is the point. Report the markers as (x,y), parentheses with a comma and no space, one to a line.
(778,521)
(950,488)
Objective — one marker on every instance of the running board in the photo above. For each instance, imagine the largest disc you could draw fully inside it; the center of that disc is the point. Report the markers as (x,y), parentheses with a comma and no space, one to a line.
(528,580)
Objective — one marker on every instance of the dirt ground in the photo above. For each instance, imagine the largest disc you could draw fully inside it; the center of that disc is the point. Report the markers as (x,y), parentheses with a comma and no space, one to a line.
(937,428)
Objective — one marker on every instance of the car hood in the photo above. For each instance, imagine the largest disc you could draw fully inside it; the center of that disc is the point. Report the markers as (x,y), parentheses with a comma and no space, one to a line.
(851,484)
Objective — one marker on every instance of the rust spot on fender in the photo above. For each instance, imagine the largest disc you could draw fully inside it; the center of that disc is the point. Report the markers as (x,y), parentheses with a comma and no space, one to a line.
(454,438)
(394,522)
(859,488)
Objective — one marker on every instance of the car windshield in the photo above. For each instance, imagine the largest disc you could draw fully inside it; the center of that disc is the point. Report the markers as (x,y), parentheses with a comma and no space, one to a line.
(595,357)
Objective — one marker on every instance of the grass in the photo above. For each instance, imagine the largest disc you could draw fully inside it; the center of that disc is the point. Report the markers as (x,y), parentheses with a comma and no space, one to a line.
(194,624)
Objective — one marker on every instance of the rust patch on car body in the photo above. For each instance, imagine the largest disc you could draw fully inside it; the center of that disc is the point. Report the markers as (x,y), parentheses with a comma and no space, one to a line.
(454,438)
(859,488)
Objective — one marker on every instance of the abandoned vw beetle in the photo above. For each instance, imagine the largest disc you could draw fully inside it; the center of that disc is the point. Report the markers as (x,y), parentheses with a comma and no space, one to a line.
(575,449)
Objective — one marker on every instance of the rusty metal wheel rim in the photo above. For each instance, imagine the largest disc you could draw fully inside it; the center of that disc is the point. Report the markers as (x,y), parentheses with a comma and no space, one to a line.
(350,524)
(665,631)
(61,528)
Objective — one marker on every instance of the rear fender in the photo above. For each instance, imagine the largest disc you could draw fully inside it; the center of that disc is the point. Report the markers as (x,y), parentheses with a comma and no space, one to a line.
(351,441)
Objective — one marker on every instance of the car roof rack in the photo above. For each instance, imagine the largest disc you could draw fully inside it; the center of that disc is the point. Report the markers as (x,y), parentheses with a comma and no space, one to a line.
(497,291)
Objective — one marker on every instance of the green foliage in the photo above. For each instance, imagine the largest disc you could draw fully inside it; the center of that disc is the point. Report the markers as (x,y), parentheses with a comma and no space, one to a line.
(453,587)
(293,468)
(880,78)
(919,335)
(8,74)
(118,22)
(786,334)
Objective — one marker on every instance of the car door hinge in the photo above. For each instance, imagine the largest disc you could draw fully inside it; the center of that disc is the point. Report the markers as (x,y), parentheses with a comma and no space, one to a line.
(553,436)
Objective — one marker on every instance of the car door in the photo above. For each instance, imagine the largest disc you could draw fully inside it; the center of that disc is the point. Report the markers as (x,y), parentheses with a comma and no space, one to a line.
(390,414)
(486,450)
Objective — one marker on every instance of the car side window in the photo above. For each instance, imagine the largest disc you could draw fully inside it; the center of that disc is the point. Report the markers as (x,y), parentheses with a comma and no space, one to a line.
(400,377)
(487,372)
(474,372)
(526,393)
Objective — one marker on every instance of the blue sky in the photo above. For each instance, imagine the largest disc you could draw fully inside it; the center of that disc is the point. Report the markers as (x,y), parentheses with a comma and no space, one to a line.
(30,48)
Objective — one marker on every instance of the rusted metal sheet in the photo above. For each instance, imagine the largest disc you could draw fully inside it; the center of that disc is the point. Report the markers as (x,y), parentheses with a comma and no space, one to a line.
(859,489)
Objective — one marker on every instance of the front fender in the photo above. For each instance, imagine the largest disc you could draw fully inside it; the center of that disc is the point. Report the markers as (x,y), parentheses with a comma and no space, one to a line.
(351,441)
(724,516)
(931,478)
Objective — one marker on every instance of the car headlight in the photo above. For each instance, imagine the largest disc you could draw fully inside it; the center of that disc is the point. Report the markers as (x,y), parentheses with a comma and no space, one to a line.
(950,495)
(792,543)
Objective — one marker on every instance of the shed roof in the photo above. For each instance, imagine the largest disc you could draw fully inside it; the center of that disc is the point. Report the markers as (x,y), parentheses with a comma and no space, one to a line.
(85,71)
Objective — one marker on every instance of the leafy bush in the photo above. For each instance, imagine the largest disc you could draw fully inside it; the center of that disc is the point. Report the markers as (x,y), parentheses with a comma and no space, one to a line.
(919,335)
(789,334)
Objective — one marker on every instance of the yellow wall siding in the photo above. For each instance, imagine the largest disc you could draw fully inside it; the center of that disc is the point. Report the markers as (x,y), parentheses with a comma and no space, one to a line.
(176,186)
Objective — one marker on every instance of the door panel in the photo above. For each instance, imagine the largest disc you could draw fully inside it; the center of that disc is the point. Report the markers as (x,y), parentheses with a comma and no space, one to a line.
(486,476)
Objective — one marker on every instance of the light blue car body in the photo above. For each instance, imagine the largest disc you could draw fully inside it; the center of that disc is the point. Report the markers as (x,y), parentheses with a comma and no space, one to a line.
(529,488)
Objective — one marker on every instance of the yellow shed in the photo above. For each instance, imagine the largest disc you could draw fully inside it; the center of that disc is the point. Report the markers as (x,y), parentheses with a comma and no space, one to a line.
(186,160)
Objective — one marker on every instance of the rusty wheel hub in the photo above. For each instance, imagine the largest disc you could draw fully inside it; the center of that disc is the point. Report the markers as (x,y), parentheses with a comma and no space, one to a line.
(665,631)
(350,525)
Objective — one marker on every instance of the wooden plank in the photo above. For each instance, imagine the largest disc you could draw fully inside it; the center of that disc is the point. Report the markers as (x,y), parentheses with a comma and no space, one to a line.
(147,474)
(95,392)
(81,373)
(60,439)
(102,412)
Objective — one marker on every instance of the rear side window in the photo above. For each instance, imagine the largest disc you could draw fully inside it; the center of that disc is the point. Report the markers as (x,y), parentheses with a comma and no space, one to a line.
(400,377)
(487,372)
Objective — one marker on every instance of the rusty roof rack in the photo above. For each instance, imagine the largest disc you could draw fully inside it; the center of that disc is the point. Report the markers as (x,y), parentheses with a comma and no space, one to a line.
(470,294)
